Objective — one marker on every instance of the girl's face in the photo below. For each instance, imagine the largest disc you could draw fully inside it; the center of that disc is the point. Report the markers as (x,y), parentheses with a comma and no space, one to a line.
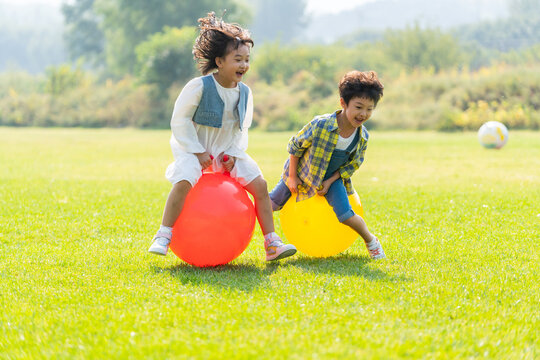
(233,66)
(358,111)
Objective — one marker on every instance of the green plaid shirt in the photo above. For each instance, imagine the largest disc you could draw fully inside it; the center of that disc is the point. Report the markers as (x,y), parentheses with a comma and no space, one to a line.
(314,145)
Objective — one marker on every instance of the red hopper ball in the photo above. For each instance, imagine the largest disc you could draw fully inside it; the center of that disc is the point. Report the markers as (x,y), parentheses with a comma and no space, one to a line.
(216,223)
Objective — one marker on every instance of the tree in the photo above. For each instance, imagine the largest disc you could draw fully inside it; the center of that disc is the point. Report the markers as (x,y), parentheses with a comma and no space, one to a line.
(275,62)
(127,23)
(83,35)
(166,57)
(521,30)
(422,48)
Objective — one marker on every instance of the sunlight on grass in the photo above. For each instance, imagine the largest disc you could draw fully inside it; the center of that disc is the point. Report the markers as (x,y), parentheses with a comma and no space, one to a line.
(460,226)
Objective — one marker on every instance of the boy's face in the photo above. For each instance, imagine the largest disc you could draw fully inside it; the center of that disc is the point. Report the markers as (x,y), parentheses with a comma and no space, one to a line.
(358,110)
(233,66)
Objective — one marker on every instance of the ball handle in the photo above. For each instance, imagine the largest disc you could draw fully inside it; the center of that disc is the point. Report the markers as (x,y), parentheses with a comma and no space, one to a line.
(225,158)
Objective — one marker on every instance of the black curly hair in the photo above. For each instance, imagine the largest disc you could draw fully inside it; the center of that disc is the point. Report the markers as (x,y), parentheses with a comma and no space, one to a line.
(361,84)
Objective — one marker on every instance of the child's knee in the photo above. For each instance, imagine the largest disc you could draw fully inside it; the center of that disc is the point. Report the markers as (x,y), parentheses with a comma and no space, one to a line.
(339,202)
(261,186)
(181,187)
(347,217)
(279,195)
(275,207)
(258,188)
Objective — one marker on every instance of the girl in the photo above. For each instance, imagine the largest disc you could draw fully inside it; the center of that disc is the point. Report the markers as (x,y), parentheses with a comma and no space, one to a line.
(209,127)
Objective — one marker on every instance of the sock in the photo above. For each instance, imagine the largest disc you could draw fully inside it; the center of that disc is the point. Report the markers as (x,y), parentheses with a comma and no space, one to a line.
(373,237)
(271,236)
(166,229)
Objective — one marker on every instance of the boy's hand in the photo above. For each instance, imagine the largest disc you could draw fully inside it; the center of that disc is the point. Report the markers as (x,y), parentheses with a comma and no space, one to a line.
(323,189)
(325,185)
(228,162)
(205,159)
(293,183)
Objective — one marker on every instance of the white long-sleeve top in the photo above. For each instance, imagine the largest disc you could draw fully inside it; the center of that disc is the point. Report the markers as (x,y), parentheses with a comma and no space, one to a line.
(189,138)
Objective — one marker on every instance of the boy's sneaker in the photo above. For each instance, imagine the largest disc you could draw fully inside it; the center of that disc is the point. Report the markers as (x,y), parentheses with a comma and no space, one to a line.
(160,244)
(276,249)
(375,249)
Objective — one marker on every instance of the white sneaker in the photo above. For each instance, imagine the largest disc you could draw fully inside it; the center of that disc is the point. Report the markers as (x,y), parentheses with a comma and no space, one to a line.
(375,249)
(276,249)
(160,244)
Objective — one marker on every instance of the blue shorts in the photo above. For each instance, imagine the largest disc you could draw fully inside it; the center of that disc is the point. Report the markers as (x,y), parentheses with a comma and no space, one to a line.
(336,197)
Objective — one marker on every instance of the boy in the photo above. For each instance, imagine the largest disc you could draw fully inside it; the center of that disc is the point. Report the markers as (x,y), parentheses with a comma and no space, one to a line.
(328,150)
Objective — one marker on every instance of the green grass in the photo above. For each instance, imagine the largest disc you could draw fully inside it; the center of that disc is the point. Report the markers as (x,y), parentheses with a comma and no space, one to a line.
(460,226)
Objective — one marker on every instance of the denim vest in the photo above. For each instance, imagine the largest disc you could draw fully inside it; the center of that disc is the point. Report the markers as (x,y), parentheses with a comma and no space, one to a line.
(210,109)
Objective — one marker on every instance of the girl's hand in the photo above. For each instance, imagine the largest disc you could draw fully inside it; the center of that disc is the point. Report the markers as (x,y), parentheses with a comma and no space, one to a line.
(293,183)
(205,159)
(228,162)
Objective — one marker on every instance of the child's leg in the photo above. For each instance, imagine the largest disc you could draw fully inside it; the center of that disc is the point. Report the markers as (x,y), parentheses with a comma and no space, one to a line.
(275,249)
(173,208)
(175,202)
(338,199)
(263,208)
(279,195)
(359,225)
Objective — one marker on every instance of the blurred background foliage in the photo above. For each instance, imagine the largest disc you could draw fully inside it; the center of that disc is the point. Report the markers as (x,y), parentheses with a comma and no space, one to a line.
(128,60)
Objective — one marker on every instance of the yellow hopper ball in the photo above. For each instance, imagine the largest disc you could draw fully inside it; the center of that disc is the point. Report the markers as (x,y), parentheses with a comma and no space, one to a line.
(312,226)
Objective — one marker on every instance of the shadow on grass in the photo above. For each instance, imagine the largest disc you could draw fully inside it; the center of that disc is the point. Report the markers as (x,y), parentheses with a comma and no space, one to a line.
(243,277)
(345,265)
(247,277)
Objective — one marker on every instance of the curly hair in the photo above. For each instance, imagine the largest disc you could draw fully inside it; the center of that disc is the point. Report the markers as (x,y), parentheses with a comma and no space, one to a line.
(361,84)
(216,39)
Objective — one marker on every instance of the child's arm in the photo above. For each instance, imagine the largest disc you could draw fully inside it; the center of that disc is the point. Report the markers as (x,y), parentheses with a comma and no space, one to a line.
(301,141)
(296,147)
(293,181)
(181,122)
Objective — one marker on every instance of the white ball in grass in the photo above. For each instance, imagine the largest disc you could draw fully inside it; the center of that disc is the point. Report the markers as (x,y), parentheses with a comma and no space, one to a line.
(493,135)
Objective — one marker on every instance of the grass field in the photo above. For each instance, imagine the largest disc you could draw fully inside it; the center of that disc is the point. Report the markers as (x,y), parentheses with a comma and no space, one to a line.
(460,226)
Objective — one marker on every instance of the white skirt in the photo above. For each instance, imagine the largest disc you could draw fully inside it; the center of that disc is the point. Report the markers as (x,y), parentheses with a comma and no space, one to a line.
(186,166)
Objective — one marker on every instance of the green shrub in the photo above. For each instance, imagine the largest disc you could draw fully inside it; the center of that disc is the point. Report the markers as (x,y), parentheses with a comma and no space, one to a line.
(501,93)
(20,83)
(63,78)
(449,100)
(514,116)
(111,104)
